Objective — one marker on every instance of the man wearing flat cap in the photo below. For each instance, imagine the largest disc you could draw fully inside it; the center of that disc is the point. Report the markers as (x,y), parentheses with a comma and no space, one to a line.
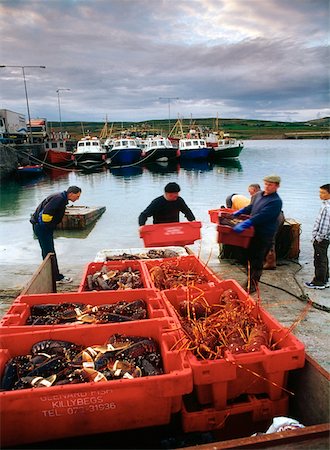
(264,213)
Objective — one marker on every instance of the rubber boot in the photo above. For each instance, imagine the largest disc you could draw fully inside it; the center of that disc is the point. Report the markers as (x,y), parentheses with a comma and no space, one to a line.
(270,260)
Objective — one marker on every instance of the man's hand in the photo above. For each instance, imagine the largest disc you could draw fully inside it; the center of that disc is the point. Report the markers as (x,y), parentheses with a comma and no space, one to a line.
(240,227)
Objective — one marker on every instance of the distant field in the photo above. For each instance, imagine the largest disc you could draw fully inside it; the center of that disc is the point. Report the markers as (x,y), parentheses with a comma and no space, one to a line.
(238,128)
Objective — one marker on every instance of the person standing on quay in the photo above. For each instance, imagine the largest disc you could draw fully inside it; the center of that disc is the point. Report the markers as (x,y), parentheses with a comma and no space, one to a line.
(264,212)
(48,214)
(167,207)
(321,239)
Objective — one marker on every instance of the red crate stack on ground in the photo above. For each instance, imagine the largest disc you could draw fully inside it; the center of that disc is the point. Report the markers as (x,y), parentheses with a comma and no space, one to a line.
(188,264)
(122,265)
(218,382)
(14,321)
(33,415)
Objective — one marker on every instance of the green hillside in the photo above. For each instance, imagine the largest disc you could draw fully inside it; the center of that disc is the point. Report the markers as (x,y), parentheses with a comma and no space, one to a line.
(239,128)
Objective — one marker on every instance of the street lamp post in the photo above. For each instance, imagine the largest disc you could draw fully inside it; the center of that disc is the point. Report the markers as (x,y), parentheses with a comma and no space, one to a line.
(169,109)
(59,106)
(26,94)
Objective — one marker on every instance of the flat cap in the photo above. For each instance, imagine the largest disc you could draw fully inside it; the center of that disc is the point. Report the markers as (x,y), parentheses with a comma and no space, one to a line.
(273,179)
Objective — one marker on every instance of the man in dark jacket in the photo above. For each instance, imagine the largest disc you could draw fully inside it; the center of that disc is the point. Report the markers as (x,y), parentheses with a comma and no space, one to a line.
(48,214)
(167,207)
(264,213)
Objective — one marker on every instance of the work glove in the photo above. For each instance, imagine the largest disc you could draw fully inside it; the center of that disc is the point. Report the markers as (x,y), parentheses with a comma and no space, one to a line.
(243,226)
(237,213)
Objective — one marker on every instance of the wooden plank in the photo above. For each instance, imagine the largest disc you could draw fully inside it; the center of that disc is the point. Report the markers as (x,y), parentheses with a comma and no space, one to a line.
(280,439)
(43,280)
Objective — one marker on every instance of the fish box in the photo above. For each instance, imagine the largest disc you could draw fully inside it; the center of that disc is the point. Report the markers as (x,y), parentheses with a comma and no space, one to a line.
(172,273)
(55,412)
(15,320)
(249,413)
(121,266)
(214,213)
(168,234)
(226,234)
(221,380)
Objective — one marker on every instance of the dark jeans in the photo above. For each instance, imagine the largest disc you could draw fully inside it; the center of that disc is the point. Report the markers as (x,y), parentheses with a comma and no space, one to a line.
(46,240)
(321,262)
(258,249)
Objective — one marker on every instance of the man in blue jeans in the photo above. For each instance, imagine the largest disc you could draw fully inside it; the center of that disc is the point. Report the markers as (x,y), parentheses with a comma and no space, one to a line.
(321,239)
(48,214)
(264,212)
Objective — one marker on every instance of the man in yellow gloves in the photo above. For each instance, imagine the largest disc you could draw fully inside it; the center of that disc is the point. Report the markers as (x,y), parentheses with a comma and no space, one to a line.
(48,214)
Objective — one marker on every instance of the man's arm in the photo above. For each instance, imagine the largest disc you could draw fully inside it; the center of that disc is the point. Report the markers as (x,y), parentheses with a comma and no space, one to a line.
(187,211)
(148,212)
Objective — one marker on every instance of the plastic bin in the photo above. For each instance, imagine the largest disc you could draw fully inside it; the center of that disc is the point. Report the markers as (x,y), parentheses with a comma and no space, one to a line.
(114,253)
(189,264)
(14,321)
(214,213)
(122,265)
(168,234)
(216,382)
(226,234)
(247,414)
(55,412)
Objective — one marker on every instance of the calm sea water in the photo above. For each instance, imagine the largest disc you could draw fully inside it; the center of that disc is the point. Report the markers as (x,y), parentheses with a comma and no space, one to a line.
(303,165)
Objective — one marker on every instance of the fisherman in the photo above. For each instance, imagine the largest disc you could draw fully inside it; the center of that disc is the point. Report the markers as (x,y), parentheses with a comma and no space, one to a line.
(264,212)
(321,239)
(167,207)
(238,201)
(48,214)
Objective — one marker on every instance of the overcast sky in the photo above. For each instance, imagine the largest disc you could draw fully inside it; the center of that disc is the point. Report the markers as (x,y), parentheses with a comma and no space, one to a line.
(254,59)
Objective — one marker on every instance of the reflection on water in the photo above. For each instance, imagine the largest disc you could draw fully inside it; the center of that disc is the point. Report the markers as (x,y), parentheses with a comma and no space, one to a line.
(201,166)
(78,234)
(163,167)
(229,165)
(57,173)
(30,180)
(127,171)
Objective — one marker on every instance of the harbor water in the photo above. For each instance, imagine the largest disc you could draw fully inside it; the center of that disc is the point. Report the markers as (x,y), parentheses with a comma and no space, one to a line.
(303,165)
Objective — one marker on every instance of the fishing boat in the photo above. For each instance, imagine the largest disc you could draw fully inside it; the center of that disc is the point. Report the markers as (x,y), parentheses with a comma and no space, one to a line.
(59,151)
(191,145)
(193,148)
(225,147)
(29,170)
(123,151)
(158,148)
(90,153)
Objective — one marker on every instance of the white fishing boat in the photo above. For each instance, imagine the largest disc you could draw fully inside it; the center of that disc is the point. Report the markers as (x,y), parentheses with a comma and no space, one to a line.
(90,153)
(223,146)
(158,148)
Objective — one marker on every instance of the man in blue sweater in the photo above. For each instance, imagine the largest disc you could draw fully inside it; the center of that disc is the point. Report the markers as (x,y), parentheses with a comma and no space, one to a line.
(48,214)
(167,207)
(264,212)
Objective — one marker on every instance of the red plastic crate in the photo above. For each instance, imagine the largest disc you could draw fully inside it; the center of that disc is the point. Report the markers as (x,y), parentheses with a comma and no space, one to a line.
(168,234)
(226,235)
(55,412)
(214,213)
(248,413)
(218,381)
(187,264)
(14,321)
(93,267)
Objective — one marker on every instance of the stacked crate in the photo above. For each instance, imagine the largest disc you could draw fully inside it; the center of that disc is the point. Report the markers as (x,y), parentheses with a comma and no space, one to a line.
(208,394)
